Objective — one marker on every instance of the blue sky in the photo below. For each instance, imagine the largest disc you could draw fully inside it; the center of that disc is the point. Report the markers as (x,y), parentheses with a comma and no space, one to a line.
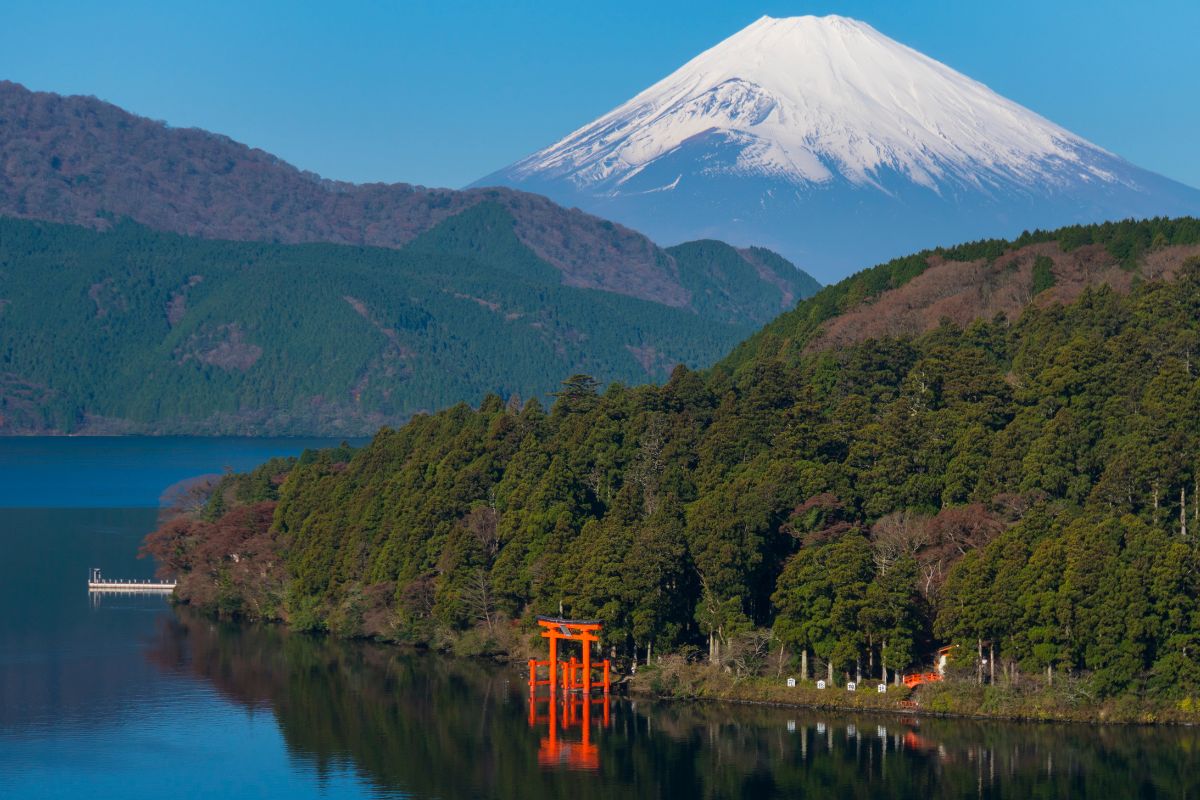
(441,93)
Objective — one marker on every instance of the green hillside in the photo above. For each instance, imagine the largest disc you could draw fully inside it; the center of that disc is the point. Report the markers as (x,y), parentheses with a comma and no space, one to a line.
(787,335)
(145,331)
(81,161)
(724,281)
(1030,482)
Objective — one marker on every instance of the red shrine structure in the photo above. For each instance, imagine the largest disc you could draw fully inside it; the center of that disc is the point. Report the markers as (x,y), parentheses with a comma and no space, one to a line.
(573,705)
(571,675)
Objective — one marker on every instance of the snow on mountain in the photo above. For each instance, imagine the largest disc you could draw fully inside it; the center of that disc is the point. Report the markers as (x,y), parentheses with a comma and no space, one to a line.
(826,140)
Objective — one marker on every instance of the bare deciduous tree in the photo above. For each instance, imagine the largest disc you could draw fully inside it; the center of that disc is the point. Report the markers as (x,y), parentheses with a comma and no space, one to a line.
(747,653)
(189,497)
(477,595)
(649,465)
(480,522)
(897,535)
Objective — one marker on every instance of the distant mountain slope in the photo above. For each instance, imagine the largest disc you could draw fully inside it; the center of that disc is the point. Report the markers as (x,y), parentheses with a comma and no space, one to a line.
(718,278)
(135,330)
(82,161)
(915,294)
(827,141)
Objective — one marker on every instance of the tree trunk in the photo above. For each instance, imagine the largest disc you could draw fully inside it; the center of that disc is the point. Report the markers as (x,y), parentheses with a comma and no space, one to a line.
(1183,512)
(979,662)
(649,645)
(804,664)
(1049,674)
(991,663)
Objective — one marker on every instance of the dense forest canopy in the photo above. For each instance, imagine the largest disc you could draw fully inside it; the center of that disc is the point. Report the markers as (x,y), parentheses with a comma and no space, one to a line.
(1086,255)
(134,330)
(1031,483)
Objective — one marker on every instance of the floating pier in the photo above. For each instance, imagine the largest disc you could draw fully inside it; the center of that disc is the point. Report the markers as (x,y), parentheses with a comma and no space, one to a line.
(98,583)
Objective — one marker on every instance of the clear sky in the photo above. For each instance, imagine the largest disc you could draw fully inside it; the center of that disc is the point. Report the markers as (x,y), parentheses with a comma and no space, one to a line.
(441,93)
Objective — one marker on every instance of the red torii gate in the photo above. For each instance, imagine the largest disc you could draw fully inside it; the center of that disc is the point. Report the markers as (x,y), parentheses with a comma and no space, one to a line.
(575,675)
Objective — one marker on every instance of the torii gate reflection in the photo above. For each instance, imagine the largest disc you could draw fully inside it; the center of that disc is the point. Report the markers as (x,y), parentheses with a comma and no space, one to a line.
(573,706)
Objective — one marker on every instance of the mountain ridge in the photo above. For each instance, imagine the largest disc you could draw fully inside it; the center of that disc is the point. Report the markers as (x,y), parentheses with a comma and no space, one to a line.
(79,160)
(132,330)
(972,282)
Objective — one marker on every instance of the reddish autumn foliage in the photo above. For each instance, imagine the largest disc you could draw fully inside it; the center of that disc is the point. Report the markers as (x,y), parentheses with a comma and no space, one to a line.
(935,542)
(819,519)
(964,291)
(231,565)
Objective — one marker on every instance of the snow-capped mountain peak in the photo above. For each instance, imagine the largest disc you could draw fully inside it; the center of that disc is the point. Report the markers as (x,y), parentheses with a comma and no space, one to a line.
(790,129)
(811,97)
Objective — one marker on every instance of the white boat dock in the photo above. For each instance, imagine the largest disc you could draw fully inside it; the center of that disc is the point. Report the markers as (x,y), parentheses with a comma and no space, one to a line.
(98,583)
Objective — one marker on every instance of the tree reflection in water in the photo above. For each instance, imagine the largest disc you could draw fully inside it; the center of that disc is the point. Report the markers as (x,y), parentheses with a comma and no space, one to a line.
(430,726)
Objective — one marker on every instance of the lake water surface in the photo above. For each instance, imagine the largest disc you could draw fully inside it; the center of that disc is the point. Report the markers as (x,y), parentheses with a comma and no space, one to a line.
(125,697)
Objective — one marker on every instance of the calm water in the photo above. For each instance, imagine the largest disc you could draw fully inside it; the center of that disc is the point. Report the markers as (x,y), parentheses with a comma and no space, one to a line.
(126,698)
(123,471)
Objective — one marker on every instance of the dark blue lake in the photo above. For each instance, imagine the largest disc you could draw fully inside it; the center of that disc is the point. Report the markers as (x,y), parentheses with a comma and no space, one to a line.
(122,471)
(123,696)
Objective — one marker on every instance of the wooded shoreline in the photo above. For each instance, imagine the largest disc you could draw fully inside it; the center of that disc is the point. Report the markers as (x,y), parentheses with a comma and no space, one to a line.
(957,700)
(1027,490)
(673,679)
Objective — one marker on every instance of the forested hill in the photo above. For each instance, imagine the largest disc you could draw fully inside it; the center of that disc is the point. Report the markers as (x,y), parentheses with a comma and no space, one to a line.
(1030,480)
(135,330)
(914,294)
(82,161)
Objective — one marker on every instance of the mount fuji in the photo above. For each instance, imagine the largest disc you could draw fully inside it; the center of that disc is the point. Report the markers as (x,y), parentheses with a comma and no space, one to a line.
(825,140)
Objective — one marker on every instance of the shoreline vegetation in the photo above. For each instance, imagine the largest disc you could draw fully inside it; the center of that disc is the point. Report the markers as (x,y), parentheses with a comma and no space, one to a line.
(379,705)
(1069,702)
(1025,488)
